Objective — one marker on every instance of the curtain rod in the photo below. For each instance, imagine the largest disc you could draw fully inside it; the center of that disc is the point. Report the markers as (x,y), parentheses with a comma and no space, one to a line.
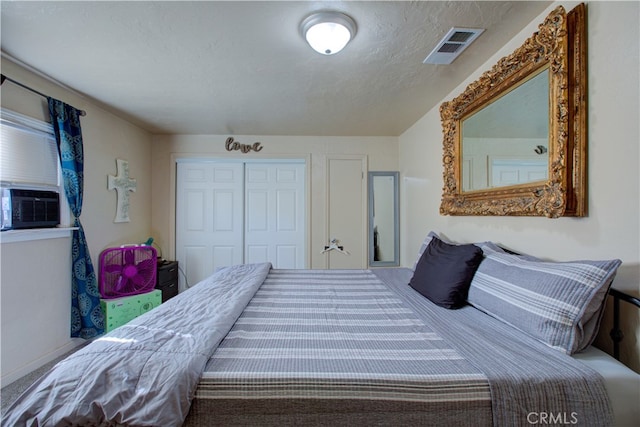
(3,78)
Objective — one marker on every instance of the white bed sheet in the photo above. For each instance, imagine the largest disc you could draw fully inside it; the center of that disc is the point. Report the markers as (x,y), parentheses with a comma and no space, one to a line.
(623,385)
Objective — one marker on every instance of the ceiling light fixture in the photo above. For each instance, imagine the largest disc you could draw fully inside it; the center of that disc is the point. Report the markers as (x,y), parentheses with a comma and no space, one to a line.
(328,32)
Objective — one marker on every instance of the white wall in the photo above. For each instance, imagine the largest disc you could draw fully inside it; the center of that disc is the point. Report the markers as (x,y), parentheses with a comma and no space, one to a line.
(35,277)
(382,154)
(612,229)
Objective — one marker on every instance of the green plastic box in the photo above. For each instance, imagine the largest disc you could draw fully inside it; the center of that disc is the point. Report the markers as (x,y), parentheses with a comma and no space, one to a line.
(119,311)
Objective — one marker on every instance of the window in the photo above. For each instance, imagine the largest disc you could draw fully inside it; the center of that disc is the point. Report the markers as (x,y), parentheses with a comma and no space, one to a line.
(28,153)
(29,158)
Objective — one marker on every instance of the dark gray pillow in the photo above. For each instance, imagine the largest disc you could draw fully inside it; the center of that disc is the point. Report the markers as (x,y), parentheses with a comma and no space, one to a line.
(444,272)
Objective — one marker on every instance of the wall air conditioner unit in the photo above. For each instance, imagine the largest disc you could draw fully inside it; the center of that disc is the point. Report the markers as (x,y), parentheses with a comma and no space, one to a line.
(23,208)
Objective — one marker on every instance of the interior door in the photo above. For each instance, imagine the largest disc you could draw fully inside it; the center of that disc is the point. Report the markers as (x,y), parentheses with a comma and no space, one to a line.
(506,172)
(275,214)
(209,217)
(347,211)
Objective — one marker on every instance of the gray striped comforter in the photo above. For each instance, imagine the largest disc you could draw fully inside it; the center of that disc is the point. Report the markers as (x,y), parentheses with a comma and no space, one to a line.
(349,347)
(143,373)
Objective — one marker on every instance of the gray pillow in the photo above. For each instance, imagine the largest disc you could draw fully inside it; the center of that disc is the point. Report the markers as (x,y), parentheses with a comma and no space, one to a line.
(559,303)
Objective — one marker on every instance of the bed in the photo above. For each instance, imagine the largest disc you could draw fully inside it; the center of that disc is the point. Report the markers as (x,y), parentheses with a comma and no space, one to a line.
(254,345)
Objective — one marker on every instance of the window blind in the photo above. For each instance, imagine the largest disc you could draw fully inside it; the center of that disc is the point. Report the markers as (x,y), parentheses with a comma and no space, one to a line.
(28,152)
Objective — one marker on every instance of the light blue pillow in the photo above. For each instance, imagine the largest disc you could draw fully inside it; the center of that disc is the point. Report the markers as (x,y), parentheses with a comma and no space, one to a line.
(558,303)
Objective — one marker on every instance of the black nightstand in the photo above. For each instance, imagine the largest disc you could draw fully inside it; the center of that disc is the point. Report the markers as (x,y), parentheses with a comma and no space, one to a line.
(167,279)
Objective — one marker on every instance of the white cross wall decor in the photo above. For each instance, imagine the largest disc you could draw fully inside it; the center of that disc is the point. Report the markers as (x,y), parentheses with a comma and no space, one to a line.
(122,184)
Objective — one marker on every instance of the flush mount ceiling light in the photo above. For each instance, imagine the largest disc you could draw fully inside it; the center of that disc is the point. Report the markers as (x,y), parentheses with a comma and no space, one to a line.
(328,32)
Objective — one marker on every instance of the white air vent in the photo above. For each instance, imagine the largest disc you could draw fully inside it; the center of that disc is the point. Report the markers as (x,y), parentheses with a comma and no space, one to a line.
(452,45)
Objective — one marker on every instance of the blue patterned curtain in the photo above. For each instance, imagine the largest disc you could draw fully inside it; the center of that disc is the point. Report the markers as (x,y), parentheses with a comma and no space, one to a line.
(87,318)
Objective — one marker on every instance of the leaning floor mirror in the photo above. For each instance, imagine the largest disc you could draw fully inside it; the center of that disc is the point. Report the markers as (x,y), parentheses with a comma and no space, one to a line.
(384,229)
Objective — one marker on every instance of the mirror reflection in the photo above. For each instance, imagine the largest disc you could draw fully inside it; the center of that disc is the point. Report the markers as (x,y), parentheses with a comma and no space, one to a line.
(506,142)
(383,219)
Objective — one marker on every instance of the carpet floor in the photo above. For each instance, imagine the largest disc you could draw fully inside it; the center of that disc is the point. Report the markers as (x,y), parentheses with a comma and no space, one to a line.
(12,391)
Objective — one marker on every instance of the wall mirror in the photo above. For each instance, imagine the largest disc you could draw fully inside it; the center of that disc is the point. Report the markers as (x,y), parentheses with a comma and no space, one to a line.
(515,139)
(384,228)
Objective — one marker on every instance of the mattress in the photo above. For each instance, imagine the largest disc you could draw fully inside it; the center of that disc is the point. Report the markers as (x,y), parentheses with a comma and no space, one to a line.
(622,384)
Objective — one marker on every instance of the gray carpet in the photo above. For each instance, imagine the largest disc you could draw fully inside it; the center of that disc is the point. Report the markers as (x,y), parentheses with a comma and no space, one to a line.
(12,391)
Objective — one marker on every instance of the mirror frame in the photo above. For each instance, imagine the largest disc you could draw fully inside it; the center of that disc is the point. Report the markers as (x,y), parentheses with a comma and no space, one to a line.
(560,45)
(396,222)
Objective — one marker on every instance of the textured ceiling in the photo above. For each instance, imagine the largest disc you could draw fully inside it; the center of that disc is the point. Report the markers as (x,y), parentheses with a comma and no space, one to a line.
(211,67)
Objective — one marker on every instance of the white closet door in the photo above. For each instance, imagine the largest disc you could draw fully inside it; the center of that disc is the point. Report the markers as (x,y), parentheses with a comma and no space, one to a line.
(275,214)
(209,217)
(226,216)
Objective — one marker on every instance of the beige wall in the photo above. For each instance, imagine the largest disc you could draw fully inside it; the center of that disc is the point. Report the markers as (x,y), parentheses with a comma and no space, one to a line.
(381,152)
(35,276)
(612,229)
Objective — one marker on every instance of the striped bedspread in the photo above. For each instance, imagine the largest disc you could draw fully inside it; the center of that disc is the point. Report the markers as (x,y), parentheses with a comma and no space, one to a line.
(339,336)
(357,347)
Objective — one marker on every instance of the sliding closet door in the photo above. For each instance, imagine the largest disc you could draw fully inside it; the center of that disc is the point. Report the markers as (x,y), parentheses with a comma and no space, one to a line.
(275,215)
(239,212)
(209,217)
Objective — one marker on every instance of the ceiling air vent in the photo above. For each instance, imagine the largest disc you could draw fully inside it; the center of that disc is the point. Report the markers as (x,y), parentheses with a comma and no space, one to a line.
(452,45)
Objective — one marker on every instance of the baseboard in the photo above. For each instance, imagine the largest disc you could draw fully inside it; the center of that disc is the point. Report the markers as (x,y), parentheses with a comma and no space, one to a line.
(16,374)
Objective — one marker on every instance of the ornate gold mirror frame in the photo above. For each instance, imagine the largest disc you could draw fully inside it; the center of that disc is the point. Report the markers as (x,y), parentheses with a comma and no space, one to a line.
(560,45)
